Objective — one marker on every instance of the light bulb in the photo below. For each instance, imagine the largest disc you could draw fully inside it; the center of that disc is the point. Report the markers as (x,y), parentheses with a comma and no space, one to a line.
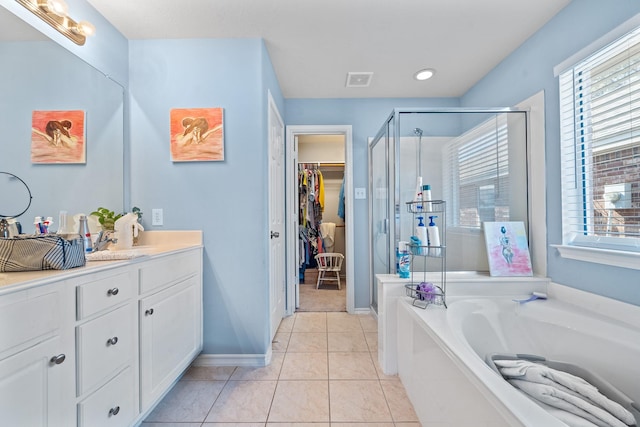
(86,28)
(59,7)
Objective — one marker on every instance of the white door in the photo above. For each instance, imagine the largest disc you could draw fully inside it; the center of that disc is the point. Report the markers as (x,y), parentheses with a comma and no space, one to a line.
(277,260)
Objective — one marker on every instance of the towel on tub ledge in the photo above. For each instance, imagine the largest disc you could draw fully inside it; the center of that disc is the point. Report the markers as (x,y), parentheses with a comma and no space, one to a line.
(565,391)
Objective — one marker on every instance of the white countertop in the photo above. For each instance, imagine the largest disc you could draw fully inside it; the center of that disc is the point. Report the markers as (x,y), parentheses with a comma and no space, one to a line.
(152,244)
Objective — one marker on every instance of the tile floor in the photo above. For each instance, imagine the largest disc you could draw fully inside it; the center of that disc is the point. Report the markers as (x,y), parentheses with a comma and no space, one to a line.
(324,372)
(327,298)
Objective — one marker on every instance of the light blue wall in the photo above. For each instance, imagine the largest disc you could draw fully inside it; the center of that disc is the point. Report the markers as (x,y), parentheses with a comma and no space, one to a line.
(365,116)
(529,70)
(228,199)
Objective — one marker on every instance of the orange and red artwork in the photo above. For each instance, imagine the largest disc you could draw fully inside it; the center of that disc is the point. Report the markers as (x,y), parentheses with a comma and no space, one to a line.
(58,137)
(197,134)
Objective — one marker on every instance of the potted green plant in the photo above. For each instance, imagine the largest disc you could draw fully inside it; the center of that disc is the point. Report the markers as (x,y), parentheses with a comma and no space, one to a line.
(106,218)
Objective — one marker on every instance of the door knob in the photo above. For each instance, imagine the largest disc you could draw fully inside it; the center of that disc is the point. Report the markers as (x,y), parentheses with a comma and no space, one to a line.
(275,234)
(112,341)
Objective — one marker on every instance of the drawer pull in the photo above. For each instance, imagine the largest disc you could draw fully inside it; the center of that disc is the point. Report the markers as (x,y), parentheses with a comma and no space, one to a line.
(114,411)
(149,312)
(56,360)
(113,291)
(112,341)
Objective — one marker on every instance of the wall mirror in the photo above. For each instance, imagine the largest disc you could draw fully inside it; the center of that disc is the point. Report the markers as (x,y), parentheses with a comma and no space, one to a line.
(40,75)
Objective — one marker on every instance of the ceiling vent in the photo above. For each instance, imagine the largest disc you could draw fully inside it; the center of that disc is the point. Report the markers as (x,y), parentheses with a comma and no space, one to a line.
(359,79)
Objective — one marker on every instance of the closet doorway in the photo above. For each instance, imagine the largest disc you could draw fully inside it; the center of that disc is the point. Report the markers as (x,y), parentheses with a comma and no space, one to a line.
(318,207)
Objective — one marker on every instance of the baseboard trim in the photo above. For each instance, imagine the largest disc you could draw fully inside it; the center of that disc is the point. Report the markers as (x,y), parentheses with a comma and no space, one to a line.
(245,360)
(362,311)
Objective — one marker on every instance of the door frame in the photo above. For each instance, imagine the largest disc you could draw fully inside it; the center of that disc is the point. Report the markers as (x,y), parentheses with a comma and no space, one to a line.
(291,177)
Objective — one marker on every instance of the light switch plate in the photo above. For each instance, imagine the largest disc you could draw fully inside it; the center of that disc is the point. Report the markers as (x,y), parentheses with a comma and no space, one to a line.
(361,193)
(157,217)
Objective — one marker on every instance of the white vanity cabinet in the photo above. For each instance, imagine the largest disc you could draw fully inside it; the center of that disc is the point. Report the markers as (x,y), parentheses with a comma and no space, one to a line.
(102,344)
(37,356)
(170,318)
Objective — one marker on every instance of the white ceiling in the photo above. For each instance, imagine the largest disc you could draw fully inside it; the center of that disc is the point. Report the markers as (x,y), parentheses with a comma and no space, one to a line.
(314,43)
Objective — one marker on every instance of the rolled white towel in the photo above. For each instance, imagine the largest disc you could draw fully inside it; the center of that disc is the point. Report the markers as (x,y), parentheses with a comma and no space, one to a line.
(572,420)
(575,405)
(564,381)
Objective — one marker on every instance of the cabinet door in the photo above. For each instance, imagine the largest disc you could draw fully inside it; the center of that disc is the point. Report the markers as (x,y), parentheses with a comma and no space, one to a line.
(170,336)
(36,391)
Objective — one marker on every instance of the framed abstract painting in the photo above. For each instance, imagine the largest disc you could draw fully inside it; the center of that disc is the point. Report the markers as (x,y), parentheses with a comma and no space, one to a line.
(197,134)
(58,137)
(507,248)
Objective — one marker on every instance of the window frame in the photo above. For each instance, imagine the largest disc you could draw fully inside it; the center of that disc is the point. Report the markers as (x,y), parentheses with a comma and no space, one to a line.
(616,251)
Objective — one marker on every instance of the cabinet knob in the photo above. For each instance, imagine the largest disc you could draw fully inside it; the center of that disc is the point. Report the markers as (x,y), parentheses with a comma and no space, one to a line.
(113,291)
(56,360)
(112,341)
(149,312)
(114,411)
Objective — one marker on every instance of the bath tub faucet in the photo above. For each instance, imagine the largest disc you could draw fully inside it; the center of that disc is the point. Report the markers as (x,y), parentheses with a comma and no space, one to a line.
(534,296)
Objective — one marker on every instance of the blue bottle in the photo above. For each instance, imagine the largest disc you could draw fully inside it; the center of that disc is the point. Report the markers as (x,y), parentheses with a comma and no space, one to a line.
(404,263)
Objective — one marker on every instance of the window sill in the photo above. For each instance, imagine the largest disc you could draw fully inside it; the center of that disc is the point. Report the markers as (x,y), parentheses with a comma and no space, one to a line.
(615,258)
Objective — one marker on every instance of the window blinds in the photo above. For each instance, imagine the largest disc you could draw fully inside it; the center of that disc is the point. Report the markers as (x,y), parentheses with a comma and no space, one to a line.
(600,137)
(476,172)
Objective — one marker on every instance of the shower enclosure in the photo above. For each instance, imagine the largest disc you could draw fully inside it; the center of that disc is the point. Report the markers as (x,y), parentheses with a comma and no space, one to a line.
(474,159)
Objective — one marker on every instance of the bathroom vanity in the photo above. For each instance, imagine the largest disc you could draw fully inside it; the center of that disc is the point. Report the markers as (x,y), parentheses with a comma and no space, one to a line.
(102,344)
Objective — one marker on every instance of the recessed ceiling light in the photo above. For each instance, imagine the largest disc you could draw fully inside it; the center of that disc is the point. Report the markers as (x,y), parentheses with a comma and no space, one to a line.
(425,74)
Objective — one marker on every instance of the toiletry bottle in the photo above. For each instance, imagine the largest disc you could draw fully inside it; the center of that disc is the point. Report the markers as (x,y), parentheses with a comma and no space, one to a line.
(62,222)
(86,234)
(434,237)
(421,233)
(426,197)
(48,222)
(38,225)
(418,195)
(404,260)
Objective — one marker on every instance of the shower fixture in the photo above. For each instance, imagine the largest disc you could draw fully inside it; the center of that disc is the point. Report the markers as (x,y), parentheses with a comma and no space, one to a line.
(418,133)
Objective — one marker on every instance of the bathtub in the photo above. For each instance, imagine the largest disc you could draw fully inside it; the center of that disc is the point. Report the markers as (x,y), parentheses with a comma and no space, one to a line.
(440,353)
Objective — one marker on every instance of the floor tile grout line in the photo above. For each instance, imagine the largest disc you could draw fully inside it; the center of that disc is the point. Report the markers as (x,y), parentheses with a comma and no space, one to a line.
(219,393)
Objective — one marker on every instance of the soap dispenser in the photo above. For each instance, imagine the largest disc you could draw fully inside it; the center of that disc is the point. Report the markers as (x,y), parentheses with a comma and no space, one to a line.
(421,233)
(434,237)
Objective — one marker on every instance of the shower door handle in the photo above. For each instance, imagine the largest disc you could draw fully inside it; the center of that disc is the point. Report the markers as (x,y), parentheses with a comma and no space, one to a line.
(275,234)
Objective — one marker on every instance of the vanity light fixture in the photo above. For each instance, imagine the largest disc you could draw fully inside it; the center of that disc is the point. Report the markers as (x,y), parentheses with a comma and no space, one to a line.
(55,13)
(425,74)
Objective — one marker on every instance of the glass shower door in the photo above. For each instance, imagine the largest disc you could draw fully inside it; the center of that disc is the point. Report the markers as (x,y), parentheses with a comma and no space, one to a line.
(379,207)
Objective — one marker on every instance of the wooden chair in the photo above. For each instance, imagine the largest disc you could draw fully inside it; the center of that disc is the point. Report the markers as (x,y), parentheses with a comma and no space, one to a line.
(329,262)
